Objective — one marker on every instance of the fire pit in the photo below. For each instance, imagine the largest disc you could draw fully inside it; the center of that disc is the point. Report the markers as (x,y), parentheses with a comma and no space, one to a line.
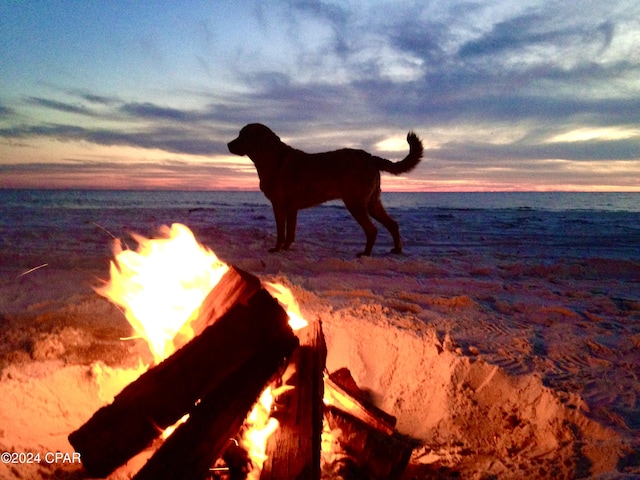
(238,387)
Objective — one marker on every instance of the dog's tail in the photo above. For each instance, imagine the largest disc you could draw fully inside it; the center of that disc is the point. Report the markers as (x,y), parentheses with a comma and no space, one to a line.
(409,162)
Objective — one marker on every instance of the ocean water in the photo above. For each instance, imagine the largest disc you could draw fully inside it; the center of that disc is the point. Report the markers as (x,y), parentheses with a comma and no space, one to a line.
(36,225)
(118,199)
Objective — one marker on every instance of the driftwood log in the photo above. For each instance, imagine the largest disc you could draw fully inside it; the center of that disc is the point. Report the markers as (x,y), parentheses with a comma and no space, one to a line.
(294,449)
(165,393)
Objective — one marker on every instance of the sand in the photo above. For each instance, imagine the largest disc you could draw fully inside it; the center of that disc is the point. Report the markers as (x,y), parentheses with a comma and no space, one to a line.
(501,363)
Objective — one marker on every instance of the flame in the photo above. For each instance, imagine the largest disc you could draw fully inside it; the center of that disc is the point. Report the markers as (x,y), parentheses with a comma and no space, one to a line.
(161,286)
(289,303)
(260,425)
(169,430)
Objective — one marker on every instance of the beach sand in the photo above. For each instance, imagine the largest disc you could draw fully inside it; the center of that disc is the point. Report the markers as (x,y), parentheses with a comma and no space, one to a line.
(506,360)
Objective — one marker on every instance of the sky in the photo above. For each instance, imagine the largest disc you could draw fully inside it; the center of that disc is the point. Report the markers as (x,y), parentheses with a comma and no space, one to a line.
(527,95)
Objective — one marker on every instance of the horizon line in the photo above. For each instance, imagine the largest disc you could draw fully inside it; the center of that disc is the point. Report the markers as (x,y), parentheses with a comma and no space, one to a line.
(243,190)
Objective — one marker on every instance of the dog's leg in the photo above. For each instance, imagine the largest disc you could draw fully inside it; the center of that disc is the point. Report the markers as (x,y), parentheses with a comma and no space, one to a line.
(377,211)
(359,212)
(280,216)
(292,220)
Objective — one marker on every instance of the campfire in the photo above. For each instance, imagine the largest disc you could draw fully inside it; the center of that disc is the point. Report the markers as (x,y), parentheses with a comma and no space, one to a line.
(238,386)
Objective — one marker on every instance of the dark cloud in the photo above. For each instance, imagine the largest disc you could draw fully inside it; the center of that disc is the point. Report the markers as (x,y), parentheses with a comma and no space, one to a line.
(534,30)
(155,112)
(86,96)
(557,111)
(26,131)
(280,101)
(424,39)
(169,139)
(99,99)
(59,106)
(490,154)
(512,34)
(6,112)
(442,98)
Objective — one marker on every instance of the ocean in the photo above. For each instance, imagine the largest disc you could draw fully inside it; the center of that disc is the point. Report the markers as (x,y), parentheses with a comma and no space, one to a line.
(83,223)
(100,199)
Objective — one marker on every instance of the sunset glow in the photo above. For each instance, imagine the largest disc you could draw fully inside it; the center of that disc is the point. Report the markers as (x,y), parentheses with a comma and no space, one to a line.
(505,97)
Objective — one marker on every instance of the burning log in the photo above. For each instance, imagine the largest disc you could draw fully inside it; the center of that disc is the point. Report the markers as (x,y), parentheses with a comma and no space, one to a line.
(245,337)
(294,449)
(236,286)
(191,450)
(343,393)
(359,439)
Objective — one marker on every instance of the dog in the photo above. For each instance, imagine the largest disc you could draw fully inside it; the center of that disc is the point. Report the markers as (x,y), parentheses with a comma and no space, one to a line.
(292,180)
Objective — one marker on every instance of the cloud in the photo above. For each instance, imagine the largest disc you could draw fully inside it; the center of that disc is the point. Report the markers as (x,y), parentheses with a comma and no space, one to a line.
(86,173)
(326,74)
(330,108)
(537,30)
(512,34)
(6,112)
(423,41)
(150,111)
(59,106)
(86,166)
(335,15)
(169,139)
(487,153)
(99,99)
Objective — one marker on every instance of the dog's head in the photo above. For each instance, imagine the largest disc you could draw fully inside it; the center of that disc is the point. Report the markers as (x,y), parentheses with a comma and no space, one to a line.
(254,140)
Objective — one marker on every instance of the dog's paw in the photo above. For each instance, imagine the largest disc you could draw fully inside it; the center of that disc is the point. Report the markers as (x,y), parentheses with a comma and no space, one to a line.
(364,254)
(274,249)
(396,251)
